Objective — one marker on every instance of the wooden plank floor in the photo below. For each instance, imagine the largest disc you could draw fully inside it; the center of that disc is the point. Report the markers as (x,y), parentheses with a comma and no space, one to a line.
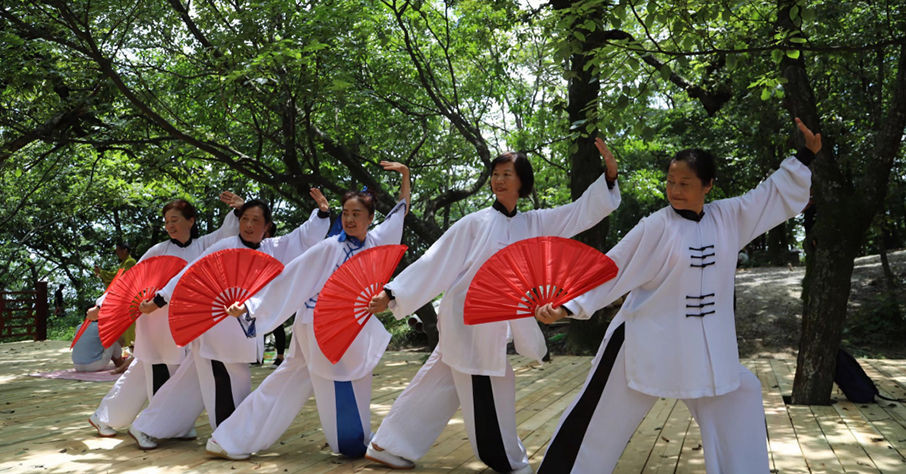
(43,424)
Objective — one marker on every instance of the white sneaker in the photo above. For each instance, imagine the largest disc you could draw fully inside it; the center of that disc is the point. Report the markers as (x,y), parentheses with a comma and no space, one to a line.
(524,470)
(384,457)
(144,441)
(188,436)
(104,431)
(215,449)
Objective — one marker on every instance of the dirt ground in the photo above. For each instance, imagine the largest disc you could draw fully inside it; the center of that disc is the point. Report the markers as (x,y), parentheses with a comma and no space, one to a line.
(769,309)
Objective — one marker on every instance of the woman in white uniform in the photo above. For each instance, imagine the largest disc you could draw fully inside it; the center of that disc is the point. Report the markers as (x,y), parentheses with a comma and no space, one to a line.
(156,355)
(342,390)
(469,367)
(216,377)
(675,334)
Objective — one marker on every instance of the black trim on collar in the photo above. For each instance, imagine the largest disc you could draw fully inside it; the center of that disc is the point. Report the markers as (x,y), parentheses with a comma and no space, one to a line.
(180,244)
(503,210)
(687,214)
(248,244)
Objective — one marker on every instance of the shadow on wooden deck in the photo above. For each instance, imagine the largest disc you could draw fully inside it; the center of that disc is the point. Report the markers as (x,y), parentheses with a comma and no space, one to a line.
(44,427)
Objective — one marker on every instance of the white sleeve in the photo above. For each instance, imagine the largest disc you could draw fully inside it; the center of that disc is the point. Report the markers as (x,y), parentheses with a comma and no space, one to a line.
(596,203)
(639,256)
(289,246)
(229,228)
(390,231)
(780,197)
(433,273)
(284,295)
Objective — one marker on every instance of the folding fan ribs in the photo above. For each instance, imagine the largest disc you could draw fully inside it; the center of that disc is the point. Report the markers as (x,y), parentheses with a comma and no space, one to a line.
(129,289)
(342,308)
(531,273)
(213,282)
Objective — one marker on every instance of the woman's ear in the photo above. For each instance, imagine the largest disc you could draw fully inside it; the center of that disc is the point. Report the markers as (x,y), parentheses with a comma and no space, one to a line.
(709,186)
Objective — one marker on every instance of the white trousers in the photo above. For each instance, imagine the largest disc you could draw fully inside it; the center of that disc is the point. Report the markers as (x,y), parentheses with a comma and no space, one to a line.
(130,392)
(421,412)
(199,384)
(263,417)
(598,424)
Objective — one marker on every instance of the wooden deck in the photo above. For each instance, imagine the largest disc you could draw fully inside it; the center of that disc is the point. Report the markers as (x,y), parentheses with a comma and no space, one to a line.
(44,428)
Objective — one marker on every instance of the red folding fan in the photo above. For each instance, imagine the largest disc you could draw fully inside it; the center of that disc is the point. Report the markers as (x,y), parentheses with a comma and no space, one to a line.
(128,290)
(217,280)
(342,308)
(531,273)
(82,329)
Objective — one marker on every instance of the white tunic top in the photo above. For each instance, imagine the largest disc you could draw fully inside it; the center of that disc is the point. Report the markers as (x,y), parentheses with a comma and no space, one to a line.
(226,341)
(680,328)
(451,263)
(153,340)
(296,291)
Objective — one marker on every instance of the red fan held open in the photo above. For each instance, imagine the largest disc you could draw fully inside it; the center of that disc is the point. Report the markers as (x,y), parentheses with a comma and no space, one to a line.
(531,273)
(342,308)
(220,279)
(126,292)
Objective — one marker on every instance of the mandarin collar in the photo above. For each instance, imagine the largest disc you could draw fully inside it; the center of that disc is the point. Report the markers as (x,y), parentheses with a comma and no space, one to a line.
(502,209)
(353,240)
(180,244)
(248,244)
(687,214)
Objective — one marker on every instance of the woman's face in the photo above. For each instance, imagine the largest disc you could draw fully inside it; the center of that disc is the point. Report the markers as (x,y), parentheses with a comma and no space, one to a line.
(356,218)
(685,190)
(252,225)
(505,182)
(177,226)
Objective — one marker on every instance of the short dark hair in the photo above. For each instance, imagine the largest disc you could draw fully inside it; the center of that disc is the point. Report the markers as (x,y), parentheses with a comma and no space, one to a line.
(523,169)
(272,229)
(124,245)
(699,161)
(186,209)
(265,209)
(365,196)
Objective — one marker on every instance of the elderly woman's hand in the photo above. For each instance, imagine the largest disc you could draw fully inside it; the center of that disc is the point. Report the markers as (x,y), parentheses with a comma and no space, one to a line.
(235,310)
(548,314)
(379,303)
(812,141)
(147,306)
(92,314)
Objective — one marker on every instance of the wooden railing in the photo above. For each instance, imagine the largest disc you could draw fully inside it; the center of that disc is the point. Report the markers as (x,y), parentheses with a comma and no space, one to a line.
(24,313)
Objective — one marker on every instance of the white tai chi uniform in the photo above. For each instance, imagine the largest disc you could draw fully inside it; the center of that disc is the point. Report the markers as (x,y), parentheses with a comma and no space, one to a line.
(675,335)
(217,377)
(469,367)
(342,390)
(156,355)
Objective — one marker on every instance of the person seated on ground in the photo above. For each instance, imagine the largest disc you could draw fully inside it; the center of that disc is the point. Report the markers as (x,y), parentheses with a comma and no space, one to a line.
(89,355)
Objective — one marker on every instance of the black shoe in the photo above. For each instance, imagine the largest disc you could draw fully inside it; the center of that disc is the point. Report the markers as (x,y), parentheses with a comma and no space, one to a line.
(277,362)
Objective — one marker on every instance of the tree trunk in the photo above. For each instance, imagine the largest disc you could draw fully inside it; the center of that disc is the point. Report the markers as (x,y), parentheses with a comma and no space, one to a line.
(845,211)
(584,336)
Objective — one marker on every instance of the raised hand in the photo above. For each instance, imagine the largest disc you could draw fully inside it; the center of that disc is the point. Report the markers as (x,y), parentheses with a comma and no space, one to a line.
(319,198)
(92,314)
(812,141)
(231,199)
(394,166)
(609,160)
